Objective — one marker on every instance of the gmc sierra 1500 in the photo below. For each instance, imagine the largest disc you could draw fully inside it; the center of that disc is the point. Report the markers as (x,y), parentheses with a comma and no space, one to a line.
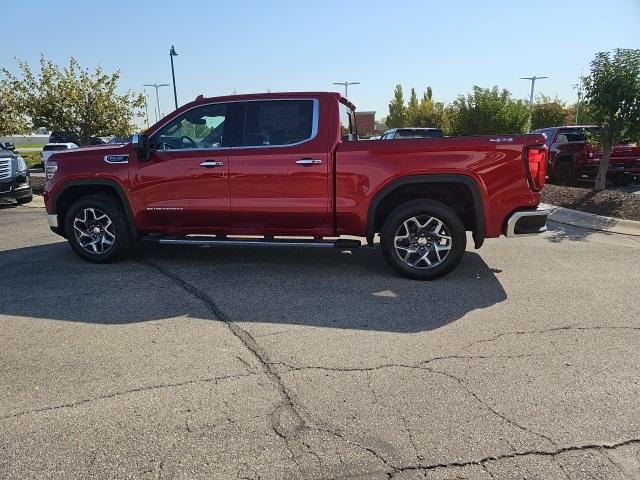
(276,165)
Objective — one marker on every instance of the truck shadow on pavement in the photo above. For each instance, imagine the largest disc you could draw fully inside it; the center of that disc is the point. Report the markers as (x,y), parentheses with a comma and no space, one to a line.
(294,286)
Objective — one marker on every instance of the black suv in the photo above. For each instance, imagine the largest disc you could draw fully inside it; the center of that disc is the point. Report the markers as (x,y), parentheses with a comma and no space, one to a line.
(15,181)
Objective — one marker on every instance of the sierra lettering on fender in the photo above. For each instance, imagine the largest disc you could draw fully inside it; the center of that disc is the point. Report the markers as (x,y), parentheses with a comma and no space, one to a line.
(221,170)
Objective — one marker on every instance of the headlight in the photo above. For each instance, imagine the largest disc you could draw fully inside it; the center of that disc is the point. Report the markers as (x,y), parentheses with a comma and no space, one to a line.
(21,166)
(50,169)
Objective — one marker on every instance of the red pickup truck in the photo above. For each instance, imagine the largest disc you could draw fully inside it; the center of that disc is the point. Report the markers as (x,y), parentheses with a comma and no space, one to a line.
(571,158)
(223,170)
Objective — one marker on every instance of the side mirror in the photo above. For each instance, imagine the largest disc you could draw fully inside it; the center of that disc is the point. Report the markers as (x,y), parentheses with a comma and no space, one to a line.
(9,146)
(139,142)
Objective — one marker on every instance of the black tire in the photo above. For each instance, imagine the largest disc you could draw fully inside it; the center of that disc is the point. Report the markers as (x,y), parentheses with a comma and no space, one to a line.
(23,200)
(564,174)
(421,211)
(117,231)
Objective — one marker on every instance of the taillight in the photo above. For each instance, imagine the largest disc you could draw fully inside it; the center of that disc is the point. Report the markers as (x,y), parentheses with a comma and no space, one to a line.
(536,166)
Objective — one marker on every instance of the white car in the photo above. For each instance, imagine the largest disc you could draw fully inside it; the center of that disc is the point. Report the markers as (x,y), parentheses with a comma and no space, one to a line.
(51,148)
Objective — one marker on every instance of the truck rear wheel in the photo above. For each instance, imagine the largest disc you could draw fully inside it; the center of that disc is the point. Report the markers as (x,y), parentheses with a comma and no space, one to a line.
(423,239)
(564,174)
(97,230)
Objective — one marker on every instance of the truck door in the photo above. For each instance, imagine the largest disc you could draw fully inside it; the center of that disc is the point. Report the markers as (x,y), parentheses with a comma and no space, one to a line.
(185,183)
(279,167)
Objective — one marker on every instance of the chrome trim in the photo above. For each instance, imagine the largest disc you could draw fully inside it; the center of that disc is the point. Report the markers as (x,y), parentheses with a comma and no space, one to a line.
(249,242)
(314,125)
(171,150)
(6,191)
(5,168)
(211,163)
(121,156)
(307,162)
(52,220)
(513,219)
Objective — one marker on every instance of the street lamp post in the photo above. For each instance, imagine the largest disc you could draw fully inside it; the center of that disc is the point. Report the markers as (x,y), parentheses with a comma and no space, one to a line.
(173,53)
(533,84)
(146,108)
(346,84)
(157,86)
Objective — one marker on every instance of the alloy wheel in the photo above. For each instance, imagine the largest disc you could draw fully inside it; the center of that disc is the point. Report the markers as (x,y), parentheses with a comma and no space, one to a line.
(94,231)
(422,242)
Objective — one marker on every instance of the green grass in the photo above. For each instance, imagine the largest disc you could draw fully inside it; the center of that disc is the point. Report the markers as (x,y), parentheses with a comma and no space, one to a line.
(31,158)
(30,145)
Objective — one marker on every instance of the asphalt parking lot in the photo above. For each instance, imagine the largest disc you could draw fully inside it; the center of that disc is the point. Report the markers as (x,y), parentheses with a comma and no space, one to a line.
(249,363)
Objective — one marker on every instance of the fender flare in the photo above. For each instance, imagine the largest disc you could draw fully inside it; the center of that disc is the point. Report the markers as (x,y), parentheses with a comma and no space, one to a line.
(470,183)
(102,182)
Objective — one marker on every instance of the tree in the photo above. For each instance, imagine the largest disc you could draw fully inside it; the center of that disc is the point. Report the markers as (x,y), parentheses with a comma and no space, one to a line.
(487,111)
(397,110)
(412,110)
(427,113)
(550,113)
(612,96)
(12,120)
(72,100)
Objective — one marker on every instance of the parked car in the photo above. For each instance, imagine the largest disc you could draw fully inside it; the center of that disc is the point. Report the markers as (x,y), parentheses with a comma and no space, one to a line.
(571,158)
(50,148)
(70,137)
(274,165)
(400,133)
(118,140)
(15,181)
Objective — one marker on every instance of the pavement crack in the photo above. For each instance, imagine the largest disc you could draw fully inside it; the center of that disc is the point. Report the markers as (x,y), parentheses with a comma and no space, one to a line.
(553,329)
(124,392)
(466,388)
(525,453)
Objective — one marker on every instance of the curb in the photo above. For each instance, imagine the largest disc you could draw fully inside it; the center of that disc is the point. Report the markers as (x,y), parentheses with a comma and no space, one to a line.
(591,221)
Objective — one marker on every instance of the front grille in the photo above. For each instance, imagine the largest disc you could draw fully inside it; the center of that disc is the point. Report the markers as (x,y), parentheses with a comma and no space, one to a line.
(5,168)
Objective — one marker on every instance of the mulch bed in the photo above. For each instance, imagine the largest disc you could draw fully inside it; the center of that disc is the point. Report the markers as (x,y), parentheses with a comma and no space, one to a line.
(610,203)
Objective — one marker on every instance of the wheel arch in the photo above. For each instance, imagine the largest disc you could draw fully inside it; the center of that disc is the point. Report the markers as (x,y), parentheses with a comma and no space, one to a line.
(429,186)
(75,189)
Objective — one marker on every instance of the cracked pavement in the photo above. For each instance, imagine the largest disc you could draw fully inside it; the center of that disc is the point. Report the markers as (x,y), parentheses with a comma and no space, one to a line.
(247,363)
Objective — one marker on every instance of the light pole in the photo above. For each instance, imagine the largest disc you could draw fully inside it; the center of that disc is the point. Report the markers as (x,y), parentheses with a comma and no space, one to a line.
(146,107)
(346,84)
(173,53)
(533,84)
(157,86)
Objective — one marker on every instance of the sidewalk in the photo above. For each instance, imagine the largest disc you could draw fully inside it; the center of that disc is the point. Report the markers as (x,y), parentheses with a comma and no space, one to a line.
(576,218)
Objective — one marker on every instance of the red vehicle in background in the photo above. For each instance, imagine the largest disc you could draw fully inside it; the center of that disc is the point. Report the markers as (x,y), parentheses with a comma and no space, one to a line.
(572,159)
(219,170)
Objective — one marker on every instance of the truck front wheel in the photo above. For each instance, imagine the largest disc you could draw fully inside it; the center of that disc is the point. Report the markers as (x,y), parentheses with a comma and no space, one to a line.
(423,239)
(97,230)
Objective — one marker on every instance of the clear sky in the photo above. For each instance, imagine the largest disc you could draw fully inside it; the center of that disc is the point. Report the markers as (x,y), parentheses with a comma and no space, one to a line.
(251,46)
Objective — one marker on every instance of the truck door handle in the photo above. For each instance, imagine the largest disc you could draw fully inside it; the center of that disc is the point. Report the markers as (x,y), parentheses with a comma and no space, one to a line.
(211,164)
(307,162)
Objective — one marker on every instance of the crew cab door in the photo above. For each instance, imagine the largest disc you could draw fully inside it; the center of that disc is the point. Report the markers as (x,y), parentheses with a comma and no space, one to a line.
(279,168)
(185,183)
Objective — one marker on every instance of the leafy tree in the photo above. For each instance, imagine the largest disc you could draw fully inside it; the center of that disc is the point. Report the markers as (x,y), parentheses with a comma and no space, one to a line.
(550,113)
(70,99)
(397,110)
(487,111)
(427,113)
(612,96)
(12,120)
(412,110)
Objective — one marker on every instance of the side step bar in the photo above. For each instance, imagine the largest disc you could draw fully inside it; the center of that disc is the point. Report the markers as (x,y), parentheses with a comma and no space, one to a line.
(340,243)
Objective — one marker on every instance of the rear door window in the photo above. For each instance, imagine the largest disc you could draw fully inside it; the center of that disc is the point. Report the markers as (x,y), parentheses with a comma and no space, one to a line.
(272,123)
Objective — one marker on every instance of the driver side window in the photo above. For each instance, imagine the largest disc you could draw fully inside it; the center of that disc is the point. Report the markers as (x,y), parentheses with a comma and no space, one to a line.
(201,127)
